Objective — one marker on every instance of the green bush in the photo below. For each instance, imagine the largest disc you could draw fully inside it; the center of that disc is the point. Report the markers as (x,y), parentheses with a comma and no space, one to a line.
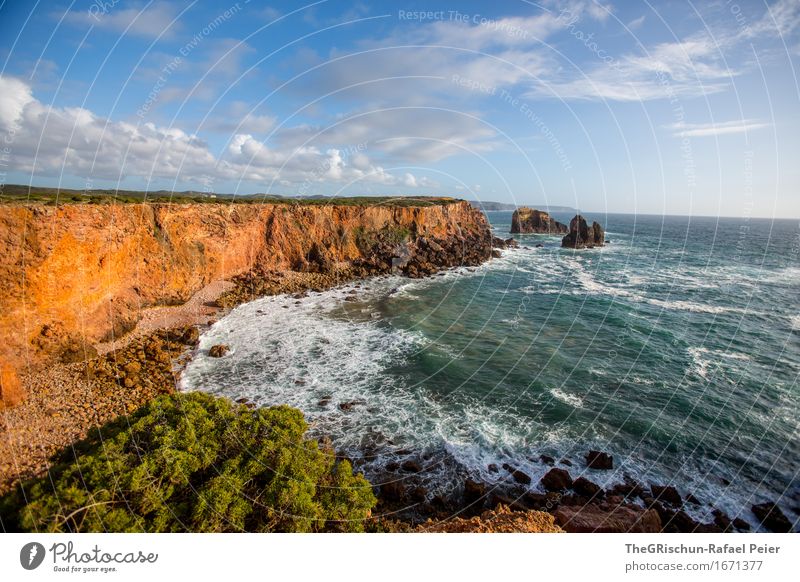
(194,462)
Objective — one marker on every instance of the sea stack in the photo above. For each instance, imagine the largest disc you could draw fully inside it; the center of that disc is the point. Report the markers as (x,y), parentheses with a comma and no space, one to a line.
(583,236)
(531,221)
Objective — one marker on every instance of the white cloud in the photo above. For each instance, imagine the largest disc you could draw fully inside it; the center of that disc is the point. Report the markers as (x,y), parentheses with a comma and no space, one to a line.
(636,22)
(147,21)
(689,68)
(80,143)
(715,129)
(417,134)
(14,96)
(782,17)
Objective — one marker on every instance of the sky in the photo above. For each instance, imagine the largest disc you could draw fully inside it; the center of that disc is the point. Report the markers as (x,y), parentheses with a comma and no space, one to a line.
(668,107)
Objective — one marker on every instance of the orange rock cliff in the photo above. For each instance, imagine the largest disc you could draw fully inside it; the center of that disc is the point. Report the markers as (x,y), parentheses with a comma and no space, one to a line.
(81,274)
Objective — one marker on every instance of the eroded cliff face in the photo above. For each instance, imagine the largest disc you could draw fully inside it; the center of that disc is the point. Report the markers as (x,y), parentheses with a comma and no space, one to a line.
(74,275)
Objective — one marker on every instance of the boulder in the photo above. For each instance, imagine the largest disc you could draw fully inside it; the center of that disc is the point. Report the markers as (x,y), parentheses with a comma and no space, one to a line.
(721,519)
(741,524)
(473,491)
(667,494)
(531,221)
(772,518)
(599,460)
(411,466)
(628,488)
(582,486)
(556,480)
(218,350)
(583,236)
(597,518)
(190,336)
(518,475)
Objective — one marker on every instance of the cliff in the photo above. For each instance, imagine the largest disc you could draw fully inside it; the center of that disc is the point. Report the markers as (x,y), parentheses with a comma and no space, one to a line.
(531,221)
(74,275)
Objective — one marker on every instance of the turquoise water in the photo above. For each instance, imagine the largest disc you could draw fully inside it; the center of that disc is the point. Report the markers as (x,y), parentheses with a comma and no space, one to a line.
(676,348)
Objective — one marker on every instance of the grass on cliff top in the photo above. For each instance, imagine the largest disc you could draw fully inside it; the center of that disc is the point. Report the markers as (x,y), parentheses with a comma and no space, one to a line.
(55,196)
(198,463)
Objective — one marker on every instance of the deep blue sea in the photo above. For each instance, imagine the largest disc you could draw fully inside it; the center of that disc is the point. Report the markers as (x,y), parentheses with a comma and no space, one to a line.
(676,348)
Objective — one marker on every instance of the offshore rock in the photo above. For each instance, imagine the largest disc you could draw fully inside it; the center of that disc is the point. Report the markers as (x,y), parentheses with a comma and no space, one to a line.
(583,236)
(531,221)
(218,350)
(599,460)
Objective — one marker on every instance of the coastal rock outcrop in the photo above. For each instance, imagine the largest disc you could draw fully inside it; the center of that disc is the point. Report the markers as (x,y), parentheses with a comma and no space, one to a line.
(531,221)
(583,236)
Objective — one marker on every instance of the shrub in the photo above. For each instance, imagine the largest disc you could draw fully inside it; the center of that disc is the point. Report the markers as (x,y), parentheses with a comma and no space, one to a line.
(194,462)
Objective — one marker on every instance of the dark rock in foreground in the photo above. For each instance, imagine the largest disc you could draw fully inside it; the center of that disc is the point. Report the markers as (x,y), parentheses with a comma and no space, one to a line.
(556,480)
(582,486)
(583,236)
(772,518)
(599,460)
(473,491)
(518,475)
(531,221)
(667,493)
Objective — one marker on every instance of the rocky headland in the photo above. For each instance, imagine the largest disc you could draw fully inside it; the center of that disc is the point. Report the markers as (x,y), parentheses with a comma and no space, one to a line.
(98,302)
(531,221)
(75,276)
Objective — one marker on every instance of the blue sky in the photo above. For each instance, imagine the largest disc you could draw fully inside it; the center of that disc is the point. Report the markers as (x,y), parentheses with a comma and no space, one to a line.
(666,107)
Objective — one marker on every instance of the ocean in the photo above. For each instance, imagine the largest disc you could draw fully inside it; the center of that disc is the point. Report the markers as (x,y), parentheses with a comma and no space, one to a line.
(676,348)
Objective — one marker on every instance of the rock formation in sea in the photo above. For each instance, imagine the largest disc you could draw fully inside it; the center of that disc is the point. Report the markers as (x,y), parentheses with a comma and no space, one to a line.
(73,275)
(531,221)
(583,236)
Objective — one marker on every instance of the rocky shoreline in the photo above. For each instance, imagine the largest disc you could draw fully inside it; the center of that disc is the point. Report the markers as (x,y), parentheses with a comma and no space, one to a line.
(70,399)
(67,399)
(576,504)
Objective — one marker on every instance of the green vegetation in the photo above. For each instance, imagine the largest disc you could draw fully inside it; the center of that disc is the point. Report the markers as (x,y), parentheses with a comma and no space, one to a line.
(366,241)
(194,462)
(54,196)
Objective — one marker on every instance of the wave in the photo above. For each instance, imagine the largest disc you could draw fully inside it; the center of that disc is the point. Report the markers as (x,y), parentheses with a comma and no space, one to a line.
(570,399)
(706,360)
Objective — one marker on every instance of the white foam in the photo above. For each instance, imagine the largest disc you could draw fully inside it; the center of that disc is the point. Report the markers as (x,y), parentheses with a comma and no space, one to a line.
(706,360)
(570,399)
